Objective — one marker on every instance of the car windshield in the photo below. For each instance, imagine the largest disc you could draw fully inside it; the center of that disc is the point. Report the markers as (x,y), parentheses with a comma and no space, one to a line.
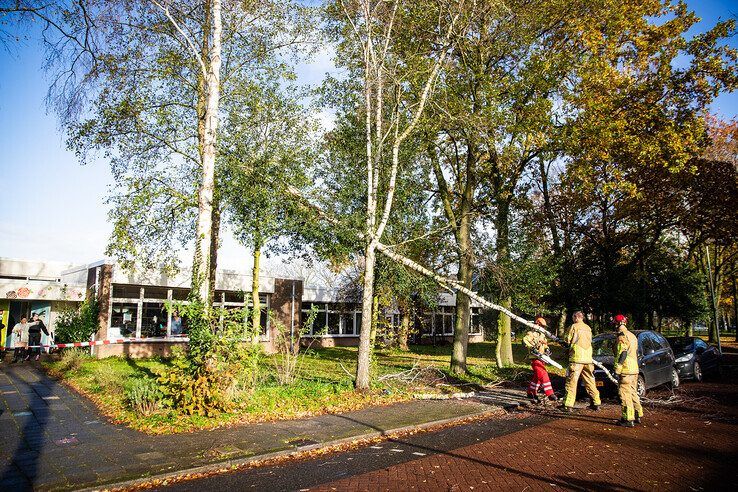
(604,346)
(682,344)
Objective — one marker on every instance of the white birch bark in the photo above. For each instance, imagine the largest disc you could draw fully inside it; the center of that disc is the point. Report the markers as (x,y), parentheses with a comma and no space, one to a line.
(207,186)
(375,59)
(211,74)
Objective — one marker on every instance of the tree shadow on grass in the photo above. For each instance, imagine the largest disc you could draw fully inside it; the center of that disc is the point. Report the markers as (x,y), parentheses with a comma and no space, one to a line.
(140,368)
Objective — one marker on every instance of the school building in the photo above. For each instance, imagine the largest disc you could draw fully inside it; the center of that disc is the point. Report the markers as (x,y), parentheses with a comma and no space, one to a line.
(134,305)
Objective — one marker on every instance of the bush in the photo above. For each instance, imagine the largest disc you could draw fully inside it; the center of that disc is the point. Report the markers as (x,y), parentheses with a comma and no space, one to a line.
(77,325)
(201,381)
(143,395)
(73,358)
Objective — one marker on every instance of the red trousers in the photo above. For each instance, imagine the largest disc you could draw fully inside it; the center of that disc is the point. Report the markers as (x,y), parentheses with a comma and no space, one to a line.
(540,379)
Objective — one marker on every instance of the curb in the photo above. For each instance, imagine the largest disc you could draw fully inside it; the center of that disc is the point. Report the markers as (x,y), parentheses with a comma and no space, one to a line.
(227,464)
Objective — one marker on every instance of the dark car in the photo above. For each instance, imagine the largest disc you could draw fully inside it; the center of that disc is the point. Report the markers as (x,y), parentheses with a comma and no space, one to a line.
(694,357)
(655,360)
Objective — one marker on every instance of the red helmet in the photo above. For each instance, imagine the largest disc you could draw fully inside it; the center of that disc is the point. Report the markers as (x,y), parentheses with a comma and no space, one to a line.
(619,318)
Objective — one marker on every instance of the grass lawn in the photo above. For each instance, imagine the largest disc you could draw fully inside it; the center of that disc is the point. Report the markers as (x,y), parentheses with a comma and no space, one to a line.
(323,385)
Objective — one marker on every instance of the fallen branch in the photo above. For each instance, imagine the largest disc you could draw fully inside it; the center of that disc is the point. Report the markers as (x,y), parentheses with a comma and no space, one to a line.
(444,282)
(346,371)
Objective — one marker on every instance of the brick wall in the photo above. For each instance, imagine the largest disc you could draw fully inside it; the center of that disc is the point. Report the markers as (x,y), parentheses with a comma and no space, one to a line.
(283,309)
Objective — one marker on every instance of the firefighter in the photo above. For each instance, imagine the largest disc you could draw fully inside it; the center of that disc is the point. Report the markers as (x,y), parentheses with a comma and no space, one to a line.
(579,341)
(537,345)
(626,367)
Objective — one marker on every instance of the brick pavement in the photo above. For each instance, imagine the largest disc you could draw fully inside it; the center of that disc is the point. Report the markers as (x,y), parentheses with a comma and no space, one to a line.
(51,438)
(689,445)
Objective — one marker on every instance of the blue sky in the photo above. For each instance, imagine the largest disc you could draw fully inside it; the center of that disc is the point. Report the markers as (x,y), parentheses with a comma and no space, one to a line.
(53,208)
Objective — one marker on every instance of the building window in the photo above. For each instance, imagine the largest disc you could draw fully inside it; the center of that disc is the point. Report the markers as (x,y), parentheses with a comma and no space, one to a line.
(332,319)
(347,323)
(153,319)
(180,294)
(123,320)
(123,291)
(155,292)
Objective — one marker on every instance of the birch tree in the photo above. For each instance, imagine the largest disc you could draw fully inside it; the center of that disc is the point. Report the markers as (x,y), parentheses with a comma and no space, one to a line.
(381,43)
(144,82)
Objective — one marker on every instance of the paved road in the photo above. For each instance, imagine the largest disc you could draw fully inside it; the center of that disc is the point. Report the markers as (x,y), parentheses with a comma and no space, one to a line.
(687,444)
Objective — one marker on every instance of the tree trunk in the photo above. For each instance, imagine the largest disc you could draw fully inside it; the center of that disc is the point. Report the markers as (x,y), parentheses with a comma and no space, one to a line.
(256,310)
(463,303)
(404,327)
(548,208)
(503,352)
(375,325)
(365,348)
(714,332)
(214,248)
(735,306)
(561,324)
(203,238)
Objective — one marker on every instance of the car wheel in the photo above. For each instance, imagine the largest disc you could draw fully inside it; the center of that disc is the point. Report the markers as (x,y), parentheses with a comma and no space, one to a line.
(674,383)
(697,372)
(641,387)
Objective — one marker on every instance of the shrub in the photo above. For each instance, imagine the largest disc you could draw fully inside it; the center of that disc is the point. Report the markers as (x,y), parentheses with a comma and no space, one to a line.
(201,381)
(77,325)
(73,358)
(143,395)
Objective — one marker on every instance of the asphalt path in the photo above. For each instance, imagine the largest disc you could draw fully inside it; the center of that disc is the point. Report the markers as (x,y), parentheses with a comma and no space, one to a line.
(311,472)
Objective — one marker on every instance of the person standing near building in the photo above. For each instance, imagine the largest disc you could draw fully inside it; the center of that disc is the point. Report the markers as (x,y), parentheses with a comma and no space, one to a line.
(34,335)
(626,367)
(20,339)
(3,335)
(537,345)
(579,341)
(176,324)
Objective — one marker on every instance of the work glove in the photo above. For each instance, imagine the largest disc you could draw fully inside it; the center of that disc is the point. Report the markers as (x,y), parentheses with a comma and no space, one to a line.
(618,369)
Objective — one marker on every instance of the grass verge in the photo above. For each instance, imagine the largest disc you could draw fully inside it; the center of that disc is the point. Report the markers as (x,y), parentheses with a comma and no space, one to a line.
(324,385)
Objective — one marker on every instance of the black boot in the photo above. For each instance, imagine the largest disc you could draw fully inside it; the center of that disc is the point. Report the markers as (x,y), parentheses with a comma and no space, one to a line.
(593,407)
(637,418)
(626,423)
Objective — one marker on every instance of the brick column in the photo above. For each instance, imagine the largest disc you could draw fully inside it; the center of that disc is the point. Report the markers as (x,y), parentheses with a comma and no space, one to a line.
(284,310)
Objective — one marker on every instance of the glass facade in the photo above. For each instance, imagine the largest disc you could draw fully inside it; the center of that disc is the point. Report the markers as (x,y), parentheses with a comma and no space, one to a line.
(140,311)
(332,319)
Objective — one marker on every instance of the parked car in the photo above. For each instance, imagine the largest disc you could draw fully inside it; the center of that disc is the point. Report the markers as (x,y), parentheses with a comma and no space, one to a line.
(655,360)
(694,357)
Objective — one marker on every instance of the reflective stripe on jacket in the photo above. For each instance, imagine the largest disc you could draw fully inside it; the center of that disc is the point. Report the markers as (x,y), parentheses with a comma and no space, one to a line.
(627,343)
(535,341)
(580,343)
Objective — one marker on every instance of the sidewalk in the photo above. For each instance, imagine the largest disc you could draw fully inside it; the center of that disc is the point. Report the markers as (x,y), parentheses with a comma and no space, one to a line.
(53,439)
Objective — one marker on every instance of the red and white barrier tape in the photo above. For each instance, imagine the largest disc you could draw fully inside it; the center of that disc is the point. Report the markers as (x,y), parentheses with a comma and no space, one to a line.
(105,342)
